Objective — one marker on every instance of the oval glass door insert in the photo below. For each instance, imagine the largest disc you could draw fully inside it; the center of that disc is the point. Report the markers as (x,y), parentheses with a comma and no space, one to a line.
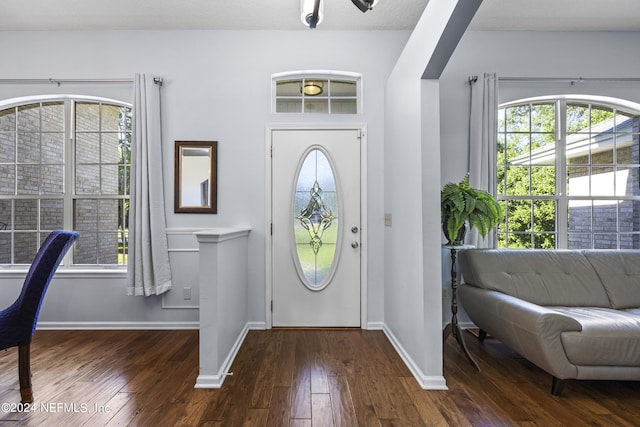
(315,220)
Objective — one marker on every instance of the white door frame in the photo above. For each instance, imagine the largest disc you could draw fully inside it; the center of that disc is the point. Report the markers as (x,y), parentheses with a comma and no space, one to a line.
(363,214)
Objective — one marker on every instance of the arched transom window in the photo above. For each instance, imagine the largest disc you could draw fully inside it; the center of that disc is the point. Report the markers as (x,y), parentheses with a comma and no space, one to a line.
(316,92)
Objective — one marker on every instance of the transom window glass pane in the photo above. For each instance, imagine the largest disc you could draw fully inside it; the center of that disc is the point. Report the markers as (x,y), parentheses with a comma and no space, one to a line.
(316,106)
(315,88)
(343,88)
(288,88)
(343,106)
(315,219)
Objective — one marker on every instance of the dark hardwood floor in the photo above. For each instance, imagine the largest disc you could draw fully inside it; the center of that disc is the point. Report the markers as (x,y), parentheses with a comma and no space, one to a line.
(293,378)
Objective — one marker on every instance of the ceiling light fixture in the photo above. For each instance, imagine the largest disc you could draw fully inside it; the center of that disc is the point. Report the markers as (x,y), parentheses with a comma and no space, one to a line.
(365,5)
(311,12)
(312,87)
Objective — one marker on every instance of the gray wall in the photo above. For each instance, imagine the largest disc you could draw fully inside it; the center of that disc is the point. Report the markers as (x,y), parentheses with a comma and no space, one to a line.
(528,54)
(217,86)
(412,305)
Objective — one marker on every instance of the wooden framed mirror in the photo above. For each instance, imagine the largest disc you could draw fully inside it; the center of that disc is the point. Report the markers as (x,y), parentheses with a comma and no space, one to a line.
(196,177)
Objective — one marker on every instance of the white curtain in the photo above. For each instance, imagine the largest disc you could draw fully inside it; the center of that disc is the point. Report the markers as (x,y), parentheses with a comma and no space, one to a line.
(149,272)
(483,124)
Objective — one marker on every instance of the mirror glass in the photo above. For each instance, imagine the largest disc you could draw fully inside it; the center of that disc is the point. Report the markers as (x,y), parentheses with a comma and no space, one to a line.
(195,177)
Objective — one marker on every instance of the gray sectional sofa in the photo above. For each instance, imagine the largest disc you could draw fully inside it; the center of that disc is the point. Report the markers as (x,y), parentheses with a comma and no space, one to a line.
(575,314)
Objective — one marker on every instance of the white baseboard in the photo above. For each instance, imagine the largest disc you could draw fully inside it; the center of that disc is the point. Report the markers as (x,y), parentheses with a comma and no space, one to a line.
(466,325)
(210,381)
(375,326)
(257,326)
(116,325)
(463,325)
(427,382)
(215,381)
(132,325)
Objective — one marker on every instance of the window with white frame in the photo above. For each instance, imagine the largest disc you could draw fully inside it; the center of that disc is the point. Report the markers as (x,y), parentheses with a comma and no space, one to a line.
(64,164)
(568,174)
(334,93)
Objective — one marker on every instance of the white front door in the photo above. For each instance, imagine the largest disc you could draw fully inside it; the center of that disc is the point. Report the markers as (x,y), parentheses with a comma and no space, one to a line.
(316,227)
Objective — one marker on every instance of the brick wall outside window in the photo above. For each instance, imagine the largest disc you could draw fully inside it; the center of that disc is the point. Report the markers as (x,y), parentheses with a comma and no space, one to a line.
(34,190)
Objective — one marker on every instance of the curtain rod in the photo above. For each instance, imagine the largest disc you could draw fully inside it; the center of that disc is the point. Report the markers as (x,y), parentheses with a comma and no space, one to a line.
(571,80)
(157,80)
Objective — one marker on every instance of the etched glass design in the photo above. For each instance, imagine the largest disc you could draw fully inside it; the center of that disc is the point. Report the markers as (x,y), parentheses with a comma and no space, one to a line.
(315,218)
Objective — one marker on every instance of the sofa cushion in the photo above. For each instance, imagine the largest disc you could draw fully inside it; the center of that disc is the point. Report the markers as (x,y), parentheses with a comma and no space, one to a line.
(608,337)
(544,277)
(634,311)
(619,272)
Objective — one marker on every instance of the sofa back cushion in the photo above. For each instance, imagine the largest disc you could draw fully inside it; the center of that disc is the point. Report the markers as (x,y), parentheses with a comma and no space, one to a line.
(544,277)
(619,272)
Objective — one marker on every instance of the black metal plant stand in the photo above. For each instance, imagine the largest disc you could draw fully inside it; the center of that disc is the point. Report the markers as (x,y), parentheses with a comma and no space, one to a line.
(453,328)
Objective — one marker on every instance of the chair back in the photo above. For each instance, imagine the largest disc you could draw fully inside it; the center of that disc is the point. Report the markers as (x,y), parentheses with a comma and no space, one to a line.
(27,306)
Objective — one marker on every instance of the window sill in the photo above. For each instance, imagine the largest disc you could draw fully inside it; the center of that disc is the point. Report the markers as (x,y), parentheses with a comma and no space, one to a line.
(19,272)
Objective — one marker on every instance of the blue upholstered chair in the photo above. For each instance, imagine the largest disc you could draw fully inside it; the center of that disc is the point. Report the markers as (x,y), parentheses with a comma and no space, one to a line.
(18,321)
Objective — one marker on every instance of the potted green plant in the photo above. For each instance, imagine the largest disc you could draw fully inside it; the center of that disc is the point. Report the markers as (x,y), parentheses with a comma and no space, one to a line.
(461,204)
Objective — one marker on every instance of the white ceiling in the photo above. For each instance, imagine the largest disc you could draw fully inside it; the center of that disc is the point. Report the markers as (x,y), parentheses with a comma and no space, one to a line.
(538,15)
(558,15)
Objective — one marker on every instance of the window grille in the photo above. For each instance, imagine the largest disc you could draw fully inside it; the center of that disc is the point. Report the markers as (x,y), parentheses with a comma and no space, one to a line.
(316,93)
(568,175)
(64,163)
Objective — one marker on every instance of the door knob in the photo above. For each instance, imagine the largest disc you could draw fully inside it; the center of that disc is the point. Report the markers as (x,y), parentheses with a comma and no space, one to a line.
(354,245)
